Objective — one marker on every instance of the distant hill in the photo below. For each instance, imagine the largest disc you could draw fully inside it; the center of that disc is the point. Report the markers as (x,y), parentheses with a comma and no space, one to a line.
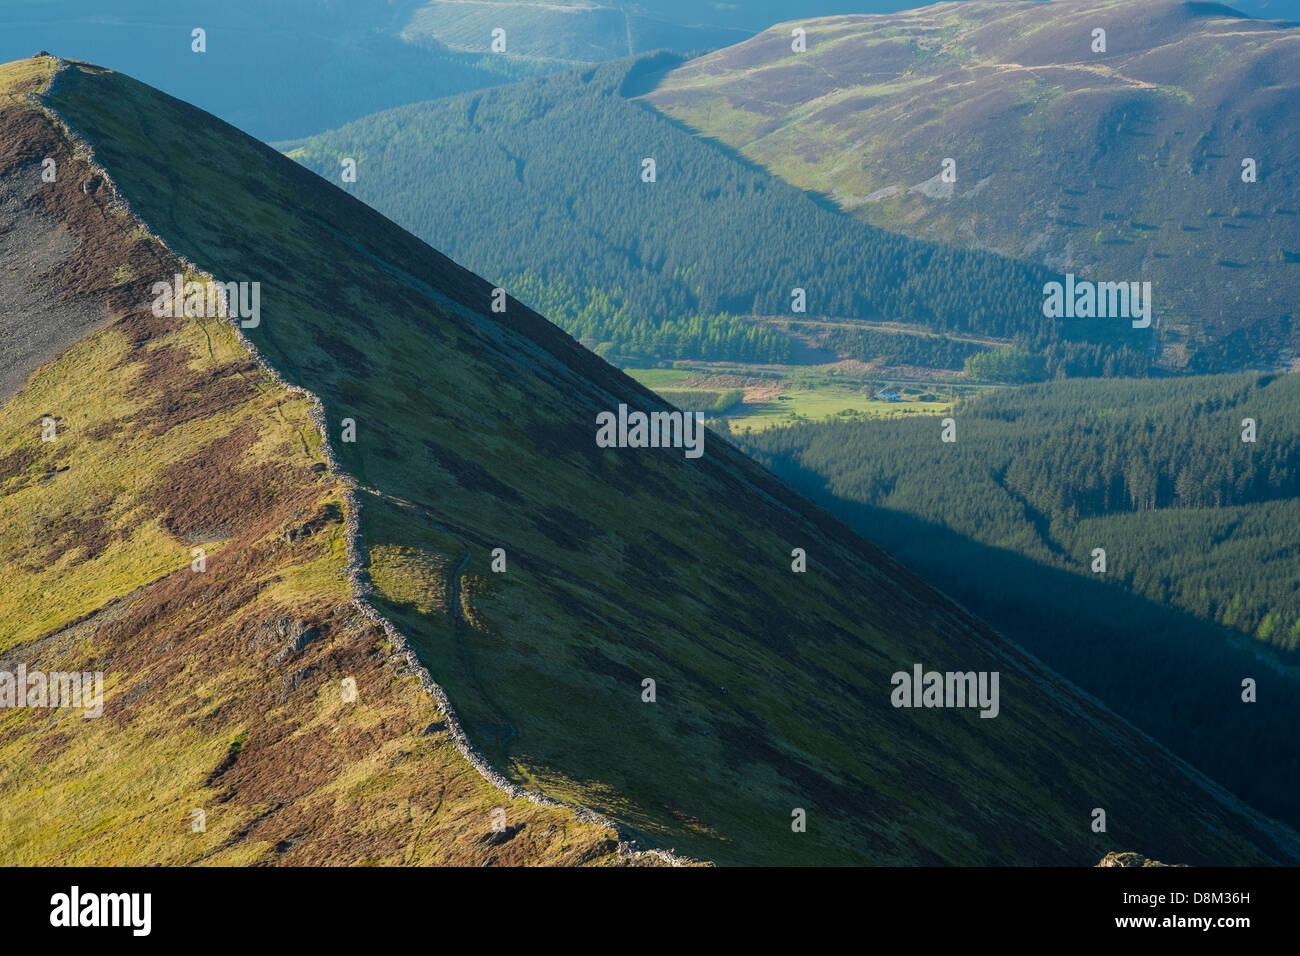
(1270,9)
(574,31)
(577,31)
(285,69)
(1121,165)
(278,70)
(539,186)
(473,432)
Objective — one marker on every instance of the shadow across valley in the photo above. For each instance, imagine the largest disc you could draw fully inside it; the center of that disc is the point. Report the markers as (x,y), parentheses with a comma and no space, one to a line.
(1172,674)
(644,78)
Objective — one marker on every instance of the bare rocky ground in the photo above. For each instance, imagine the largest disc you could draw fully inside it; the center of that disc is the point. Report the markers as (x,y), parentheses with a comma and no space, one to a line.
(34,327)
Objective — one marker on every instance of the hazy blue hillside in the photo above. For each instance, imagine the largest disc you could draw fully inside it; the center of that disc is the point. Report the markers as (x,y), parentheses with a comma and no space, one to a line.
(311,65)
(1270,9)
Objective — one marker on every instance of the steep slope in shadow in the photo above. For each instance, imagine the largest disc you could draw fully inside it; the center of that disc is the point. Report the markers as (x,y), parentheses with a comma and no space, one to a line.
(1116,643)
(475,432)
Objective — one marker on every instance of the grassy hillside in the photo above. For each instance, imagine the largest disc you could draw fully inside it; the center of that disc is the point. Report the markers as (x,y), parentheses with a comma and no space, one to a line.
(222,688)
(474,431)
(1121,165)
(1200,585)
(538,186)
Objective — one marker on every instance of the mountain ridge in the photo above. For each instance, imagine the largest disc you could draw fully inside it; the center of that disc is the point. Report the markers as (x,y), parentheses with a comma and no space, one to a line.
(38,823)
(356,559)
(522,367)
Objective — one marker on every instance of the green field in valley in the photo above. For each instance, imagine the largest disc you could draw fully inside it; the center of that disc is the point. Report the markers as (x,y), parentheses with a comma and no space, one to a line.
(797,394)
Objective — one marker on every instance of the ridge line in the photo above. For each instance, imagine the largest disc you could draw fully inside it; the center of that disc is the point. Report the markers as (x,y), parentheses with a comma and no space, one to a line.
(358,583)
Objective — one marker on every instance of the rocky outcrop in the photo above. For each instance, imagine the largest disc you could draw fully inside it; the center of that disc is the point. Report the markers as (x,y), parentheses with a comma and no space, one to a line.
(1129,858)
